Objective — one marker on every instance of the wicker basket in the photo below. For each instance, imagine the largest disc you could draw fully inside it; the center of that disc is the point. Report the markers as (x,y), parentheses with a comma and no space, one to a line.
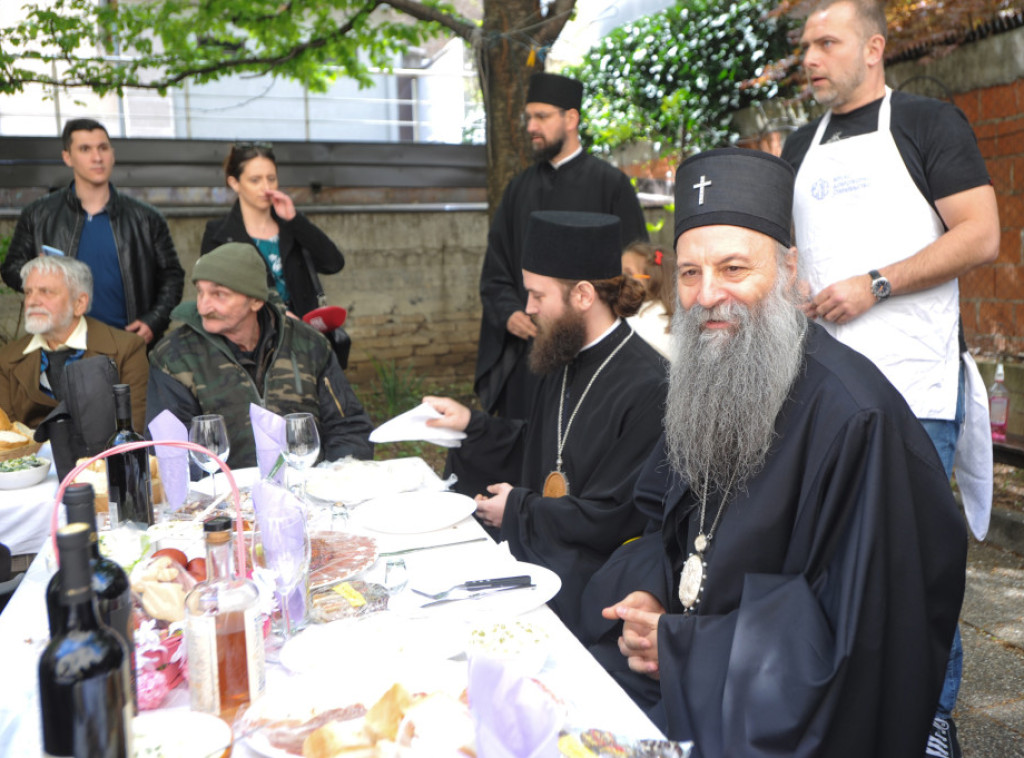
(17,452)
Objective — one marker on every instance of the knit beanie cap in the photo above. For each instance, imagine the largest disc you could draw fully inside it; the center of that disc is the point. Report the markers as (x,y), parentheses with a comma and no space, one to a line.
(235,265)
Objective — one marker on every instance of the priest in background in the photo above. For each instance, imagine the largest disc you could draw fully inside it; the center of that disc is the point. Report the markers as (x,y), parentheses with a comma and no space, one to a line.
(792,593)
(558,486)
(564,178)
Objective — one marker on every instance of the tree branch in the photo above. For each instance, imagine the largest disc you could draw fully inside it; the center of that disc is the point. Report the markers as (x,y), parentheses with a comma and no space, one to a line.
(267,62)
(558,15)
(463,28)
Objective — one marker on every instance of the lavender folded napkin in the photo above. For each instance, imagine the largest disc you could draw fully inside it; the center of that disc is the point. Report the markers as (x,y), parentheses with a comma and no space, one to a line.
(514,716)
(268,430)
(173,461)
(281,519)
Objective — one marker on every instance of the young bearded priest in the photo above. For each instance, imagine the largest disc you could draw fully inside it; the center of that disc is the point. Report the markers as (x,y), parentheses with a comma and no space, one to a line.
(558,487)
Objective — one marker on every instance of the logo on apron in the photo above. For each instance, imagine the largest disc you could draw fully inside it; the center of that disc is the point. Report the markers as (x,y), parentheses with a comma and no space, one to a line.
(819,190)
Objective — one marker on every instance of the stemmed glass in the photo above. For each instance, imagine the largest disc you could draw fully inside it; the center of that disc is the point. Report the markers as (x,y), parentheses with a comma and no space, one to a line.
(302,443)
(282,550)
(210,432)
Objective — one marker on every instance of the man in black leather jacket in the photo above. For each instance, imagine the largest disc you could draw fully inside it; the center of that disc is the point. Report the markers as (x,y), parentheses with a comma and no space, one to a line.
(138,279)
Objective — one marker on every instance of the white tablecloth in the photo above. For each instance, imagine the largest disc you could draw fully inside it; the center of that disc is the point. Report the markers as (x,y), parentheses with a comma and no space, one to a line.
(594,700)
(25,513)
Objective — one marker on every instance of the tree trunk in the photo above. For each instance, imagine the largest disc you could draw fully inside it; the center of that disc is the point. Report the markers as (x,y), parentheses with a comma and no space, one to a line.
(512,29)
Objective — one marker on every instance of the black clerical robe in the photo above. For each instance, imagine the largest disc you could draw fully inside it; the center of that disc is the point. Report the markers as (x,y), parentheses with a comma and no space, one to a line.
(833,582)
(584,183)
(616,427)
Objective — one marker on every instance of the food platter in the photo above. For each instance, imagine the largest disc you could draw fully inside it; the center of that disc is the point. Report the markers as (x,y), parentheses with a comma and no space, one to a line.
(337,556)
(414,512)
(277,722)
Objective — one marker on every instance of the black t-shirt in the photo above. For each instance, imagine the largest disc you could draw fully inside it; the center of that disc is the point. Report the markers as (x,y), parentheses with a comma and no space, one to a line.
(933,137)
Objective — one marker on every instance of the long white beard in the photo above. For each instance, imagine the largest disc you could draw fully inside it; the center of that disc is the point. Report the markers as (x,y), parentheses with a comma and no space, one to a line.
(726,387)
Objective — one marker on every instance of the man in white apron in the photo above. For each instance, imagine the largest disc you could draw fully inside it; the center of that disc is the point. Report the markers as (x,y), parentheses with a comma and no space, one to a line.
(892,203)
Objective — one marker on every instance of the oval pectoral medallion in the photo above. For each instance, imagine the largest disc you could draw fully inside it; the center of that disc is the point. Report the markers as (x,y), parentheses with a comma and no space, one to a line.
(690,580)
(556,485)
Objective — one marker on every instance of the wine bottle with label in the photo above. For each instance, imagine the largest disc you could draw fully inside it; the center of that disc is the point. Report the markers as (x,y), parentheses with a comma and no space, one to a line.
(84,699)
(222,632)
(109,581)
(128,486)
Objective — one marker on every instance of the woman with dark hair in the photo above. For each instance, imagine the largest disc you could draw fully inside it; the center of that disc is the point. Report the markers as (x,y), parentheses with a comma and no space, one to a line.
(266,217)
(654,268)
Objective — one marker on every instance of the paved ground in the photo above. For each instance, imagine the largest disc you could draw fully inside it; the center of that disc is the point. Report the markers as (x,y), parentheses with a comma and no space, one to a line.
(990,712)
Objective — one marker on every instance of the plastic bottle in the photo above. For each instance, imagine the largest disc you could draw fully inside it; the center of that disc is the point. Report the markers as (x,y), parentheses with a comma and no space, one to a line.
(999,405)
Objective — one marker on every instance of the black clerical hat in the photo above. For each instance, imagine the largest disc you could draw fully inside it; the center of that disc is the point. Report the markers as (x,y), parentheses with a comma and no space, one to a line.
(573,245)
(736,187)
(560,91)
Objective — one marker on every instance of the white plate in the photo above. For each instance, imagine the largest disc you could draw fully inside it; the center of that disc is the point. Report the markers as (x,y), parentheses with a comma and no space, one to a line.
(179,733)
(350,481)
(244,477)
(318,649)
(14,480)
(414,512)
(506,603)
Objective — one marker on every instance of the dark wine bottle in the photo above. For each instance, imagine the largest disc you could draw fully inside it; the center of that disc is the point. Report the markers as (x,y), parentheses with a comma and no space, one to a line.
(128,486)
(83,672)
(109,581)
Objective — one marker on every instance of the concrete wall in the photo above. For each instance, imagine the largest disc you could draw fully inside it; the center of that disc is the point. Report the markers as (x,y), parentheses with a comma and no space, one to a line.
(410,284)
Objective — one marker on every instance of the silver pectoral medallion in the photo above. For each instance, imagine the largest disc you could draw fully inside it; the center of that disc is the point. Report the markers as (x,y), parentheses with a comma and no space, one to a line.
(691,580)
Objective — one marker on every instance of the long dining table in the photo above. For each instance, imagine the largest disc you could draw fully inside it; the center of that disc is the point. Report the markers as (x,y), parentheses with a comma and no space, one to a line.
(592,698)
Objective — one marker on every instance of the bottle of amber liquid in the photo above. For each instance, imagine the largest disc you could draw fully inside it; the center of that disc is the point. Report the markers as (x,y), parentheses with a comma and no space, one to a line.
(222,631)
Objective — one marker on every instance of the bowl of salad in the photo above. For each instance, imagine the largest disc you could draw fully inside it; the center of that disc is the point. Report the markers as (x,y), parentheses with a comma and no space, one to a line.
(23,472)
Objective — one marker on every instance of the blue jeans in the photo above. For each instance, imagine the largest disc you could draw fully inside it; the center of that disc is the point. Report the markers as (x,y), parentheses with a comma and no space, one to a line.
(944,436)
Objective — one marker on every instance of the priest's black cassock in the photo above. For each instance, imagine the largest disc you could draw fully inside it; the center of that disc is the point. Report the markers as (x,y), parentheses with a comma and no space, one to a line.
(616,427)
(833,582)
(583,183)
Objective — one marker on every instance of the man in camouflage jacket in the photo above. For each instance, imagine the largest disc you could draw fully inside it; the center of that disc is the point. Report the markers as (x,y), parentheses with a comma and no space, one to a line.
(235,348)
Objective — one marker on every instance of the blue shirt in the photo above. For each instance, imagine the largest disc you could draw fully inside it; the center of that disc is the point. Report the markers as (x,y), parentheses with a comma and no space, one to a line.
(97,248)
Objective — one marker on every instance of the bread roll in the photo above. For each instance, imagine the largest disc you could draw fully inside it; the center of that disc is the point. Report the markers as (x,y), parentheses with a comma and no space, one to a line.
(12,440)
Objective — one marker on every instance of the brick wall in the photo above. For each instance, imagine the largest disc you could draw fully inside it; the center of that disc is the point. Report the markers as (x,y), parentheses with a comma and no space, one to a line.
(992,296)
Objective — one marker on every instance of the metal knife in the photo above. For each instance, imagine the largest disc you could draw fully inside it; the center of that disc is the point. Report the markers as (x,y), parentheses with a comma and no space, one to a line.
(478,594)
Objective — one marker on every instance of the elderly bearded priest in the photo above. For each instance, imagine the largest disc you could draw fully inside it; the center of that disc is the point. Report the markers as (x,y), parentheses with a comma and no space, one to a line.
(792,593)
(596,417)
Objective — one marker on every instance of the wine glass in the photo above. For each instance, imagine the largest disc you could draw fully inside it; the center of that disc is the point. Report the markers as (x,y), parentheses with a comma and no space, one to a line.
(282,550)
(302,443)
(210,432)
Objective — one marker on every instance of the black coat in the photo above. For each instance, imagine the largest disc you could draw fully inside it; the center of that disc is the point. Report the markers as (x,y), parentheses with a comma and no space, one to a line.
(833,582)
(153,278)
(293,235)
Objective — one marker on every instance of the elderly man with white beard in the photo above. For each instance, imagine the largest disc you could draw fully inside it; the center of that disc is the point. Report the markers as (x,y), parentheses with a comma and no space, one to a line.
(58,293)
(789,596)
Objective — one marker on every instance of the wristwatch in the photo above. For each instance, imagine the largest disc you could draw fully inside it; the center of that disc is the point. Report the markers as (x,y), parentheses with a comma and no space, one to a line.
(880,286)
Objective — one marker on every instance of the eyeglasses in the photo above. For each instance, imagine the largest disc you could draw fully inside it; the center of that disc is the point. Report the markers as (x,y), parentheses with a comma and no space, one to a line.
(541,116)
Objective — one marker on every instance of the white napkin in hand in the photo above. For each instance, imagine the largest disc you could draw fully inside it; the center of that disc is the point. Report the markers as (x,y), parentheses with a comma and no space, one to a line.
(412,425)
